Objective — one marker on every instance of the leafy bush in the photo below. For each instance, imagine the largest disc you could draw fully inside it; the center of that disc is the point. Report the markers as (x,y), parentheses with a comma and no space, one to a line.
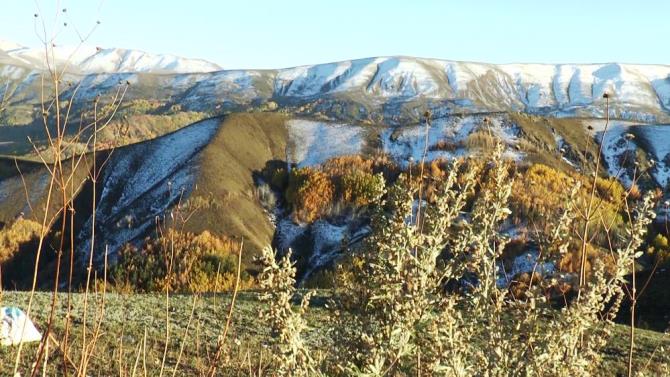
(290,355)
(659,249)
(393,316)
(310,192)
(342,165)
(137,106)
(444,145)
(340,185)
(361,189)
(179,261)
(18,242)
(481,139)
(540,192)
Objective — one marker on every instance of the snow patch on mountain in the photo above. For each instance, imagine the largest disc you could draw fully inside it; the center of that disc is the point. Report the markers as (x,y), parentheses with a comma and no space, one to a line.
(617,147)
(408,143)
(327,239)
(445,138)
(308,80)
(162,158)
(205,91)
(635,89)
(313,143)
(88,59)
(122,60)
(401,77)
(637,92)
(461,74)
(620,146)
(534,83)
(528,262)
(141,182)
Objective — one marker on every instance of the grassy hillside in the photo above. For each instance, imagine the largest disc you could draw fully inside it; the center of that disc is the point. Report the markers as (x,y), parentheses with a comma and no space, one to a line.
(541,135)
(125,128)
(24,189)
(225,191)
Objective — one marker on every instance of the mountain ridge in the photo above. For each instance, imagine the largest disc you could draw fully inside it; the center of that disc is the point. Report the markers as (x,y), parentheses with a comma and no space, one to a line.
(391,90)
(95,60)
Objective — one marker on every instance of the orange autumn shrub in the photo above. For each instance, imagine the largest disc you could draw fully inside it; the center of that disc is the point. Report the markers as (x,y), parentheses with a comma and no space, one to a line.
(310,192)
(182,262)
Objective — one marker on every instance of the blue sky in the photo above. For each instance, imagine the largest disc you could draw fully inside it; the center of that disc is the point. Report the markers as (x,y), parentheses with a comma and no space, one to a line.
(275,34)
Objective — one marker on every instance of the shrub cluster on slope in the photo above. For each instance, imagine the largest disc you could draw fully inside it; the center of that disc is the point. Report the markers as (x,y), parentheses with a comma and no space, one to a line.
(18,242)
(180,262)
(340,183)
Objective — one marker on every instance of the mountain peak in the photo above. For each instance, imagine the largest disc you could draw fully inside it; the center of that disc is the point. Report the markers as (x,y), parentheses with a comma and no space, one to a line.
(6,45)
(89,59)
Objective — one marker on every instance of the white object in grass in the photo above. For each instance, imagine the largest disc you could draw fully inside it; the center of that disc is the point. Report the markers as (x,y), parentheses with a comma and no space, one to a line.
(16,327)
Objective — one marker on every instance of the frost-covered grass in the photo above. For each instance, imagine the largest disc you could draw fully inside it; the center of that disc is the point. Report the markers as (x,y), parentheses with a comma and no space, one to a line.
(129,316)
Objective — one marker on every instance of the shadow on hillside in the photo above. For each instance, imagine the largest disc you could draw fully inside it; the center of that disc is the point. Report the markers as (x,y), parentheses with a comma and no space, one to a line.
(17,271)
(652,310)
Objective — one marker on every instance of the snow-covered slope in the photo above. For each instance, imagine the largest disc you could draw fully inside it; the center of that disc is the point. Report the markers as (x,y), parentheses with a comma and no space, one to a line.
(141,181)
(312,143)
(657,139)
(622,141)
(9,45)
(527,87)
(89,59)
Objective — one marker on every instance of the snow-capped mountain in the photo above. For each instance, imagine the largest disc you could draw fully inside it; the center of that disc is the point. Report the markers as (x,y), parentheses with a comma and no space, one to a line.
(90,60)
(524,87)
(370,86)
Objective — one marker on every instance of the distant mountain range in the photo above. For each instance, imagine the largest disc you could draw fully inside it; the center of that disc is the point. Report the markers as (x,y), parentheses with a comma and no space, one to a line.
(385,88)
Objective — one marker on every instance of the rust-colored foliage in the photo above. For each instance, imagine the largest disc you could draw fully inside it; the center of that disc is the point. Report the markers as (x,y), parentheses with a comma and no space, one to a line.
(444,145)
(350,181)
(310,192)
(181,261)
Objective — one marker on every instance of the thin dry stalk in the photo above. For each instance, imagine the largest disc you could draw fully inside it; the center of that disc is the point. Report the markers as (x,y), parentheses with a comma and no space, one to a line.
(423,163)
(138,354)
(61,182)
(222,340)
(589,209)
